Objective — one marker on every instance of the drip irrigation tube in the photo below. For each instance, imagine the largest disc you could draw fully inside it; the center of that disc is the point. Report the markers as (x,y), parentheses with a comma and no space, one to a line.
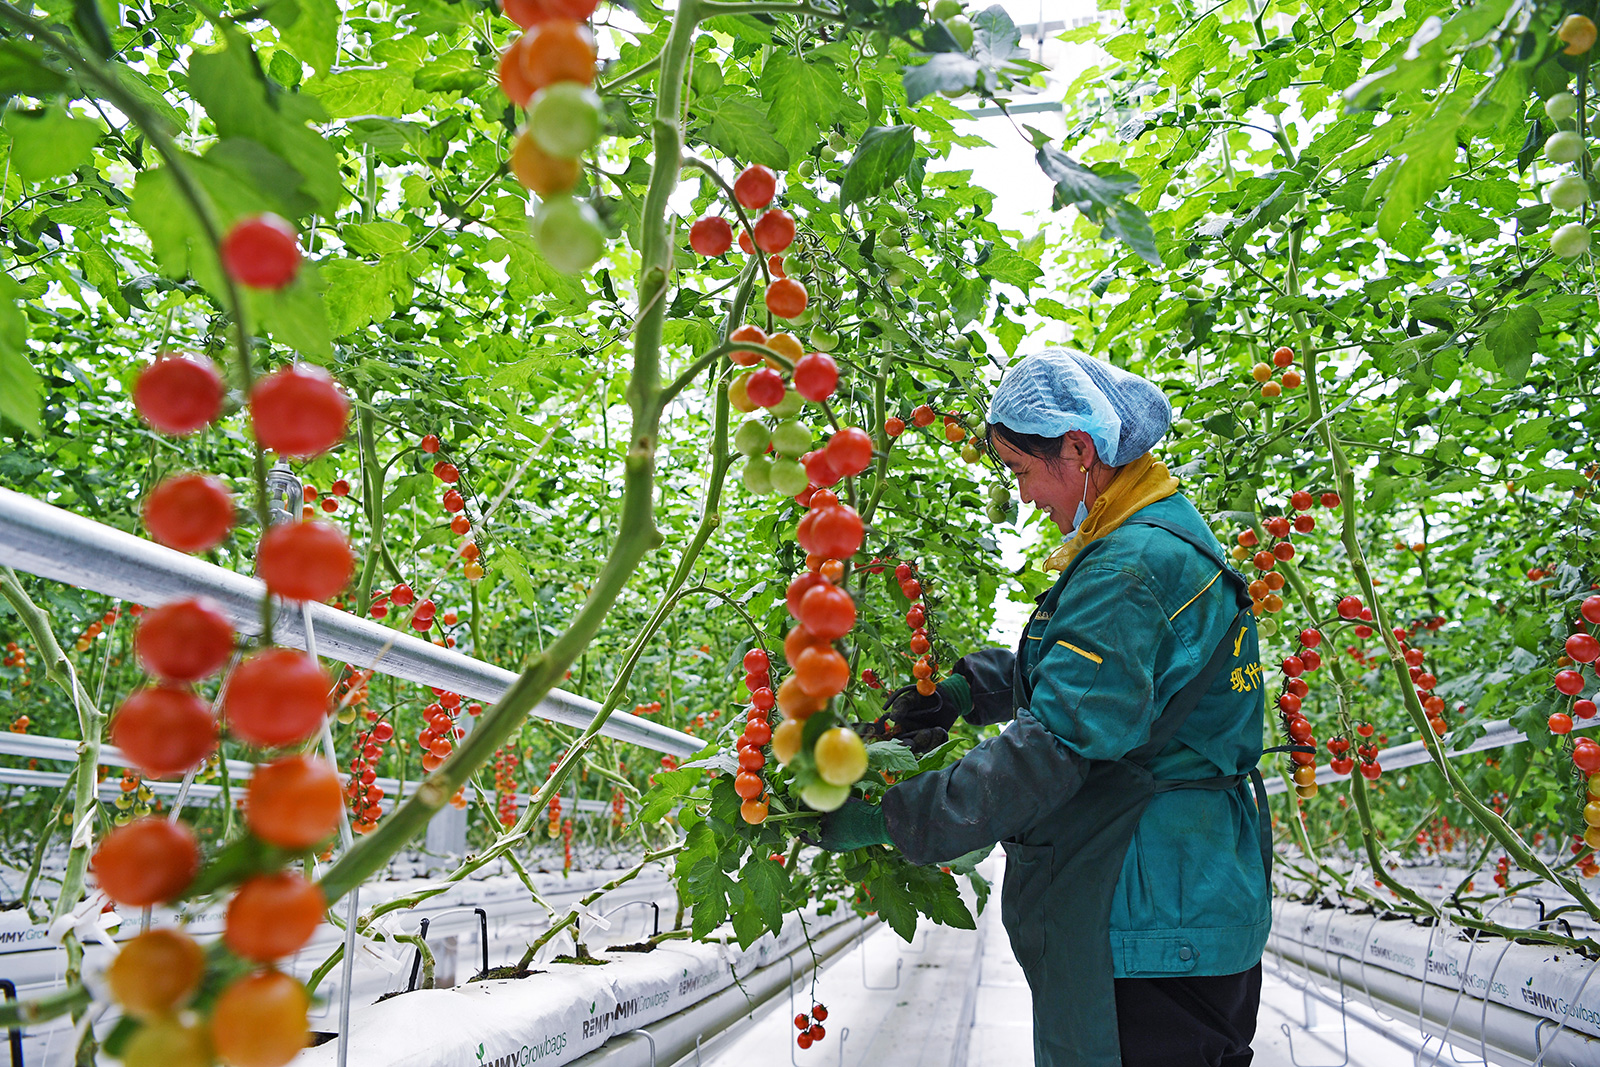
(56,544)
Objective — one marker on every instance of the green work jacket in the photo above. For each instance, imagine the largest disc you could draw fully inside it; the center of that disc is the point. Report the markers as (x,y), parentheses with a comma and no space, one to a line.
(1145,613)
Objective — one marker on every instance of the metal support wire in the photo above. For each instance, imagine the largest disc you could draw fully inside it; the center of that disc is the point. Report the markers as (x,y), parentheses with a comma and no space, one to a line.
(416,964)
(1366,987)
(14,1034)
(861,944)
(652,904)
(1461,990)
(1311,1026)
(1562,1024)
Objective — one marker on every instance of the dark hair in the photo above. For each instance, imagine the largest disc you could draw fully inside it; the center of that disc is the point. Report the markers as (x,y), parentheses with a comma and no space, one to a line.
(1038,446)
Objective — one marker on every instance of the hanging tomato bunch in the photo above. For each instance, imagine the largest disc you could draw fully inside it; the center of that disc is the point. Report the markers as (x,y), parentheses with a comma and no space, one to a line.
(547,72)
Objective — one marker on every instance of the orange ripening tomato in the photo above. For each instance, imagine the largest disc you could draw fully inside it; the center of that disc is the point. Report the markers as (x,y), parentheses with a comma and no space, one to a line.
(513,82)
(558,51)
(273,915)
(541,172)
(294,802)
(156,973)
(260,1020)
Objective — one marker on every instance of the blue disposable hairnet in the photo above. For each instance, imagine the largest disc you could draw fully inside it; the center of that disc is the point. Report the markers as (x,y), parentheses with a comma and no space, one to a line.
(1057,390)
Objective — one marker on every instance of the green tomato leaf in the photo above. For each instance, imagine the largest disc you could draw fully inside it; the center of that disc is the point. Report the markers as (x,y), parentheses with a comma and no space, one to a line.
(732,122)
(944,72)
(1512,334)
(882,157)
(21,388)
(50,143)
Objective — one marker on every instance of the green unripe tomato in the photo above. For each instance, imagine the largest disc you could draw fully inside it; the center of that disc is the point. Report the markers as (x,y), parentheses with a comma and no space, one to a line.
(788,477)
(1561,107)
(807,169)
(820,796)
(564,119)
(943,320)
(1249,410)
(823,339)
(568,232)
(896,278)
(997,513)
(837,142)
(827,153)
(792,437)
(1563,147)
(1183,426)
(796,264)
(789,406)
(891,237)
(753,438)
(1266,627)
(1568,193)
(999,494)
(961,30)
(970,452)
(946,9)
(374,10)
(758,475)
(1570,241)
(1194,292)
(962,343)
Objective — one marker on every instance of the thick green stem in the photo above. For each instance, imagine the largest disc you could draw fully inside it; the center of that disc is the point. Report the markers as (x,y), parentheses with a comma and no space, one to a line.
(90,723)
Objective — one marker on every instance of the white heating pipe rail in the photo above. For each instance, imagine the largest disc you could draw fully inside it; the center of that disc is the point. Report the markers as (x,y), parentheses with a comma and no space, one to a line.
(1497,734)
(52,543)
(62,749)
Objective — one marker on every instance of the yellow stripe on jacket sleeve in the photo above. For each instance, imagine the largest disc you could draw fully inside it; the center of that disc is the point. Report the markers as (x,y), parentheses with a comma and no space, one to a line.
(1079,651)
(1197,596)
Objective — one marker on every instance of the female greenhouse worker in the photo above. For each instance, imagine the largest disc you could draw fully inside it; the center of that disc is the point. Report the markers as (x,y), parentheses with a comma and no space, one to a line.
(1136,888)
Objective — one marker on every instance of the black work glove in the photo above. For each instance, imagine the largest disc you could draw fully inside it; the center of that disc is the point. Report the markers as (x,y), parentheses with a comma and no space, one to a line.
(911,710)
(918,741)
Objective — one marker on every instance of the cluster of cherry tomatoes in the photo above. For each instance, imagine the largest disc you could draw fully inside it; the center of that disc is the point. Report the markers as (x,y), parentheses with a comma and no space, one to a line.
(757,733)
(330,503)
(810,1027)
(134,800)
(1582,649)
(771,233)
(619,808)
(830,532)
(547,71)
(15,656)
(275,698)
(91,632)
(1295,724)
(555,810)
(363,790)
(506,763)
(1282,359)
(566,846)
(1425,680)
(439,736)
(1366,752)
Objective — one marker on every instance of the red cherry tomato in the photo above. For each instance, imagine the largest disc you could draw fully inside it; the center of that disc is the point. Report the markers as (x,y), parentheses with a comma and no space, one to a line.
(786,298)
(850,451)
(277,697)
(711,236)
(305,560)
(148,861)
(774,231)
(179,393)
(189,512)
(273,915)
(294,802)
(754,187)
(816,376)
(827,611)
(165,730)
(261,252)
(298,411)
(183,641)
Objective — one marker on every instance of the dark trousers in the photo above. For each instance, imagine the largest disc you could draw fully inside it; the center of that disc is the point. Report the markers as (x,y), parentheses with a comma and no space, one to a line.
(1204,1021)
